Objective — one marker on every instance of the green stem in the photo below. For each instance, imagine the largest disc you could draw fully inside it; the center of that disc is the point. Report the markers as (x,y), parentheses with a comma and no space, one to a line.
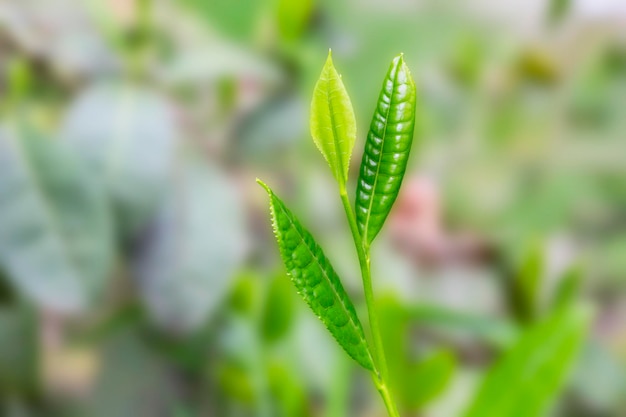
(380,375)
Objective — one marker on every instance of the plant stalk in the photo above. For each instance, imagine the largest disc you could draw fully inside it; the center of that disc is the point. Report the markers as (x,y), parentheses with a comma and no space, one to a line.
(380,374)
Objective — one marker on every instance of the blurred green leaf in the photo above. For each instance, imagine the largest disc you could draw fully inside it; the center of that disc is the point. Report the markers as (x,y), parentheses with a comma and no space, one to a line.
(55,227)
(235,380)
(19,351)
(274,127)
(429,378)
(496,332)
(127,136)
(528,378)
(558,9)
(278,312)
(245,295)
(288,391)
(133,381)
(235,19)
(413,383)
(599,380)
(568,288)
(538,66)
(190,253)
(526,287)
(333,125)
(317,282)
(293,18)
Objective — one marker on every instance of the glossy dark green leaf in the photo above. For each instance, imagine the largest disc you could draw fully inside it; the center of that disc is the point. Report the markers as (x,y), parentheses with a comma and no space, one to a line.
(386,150)
(333,125)
(528,378)
(55,227)
(317,282)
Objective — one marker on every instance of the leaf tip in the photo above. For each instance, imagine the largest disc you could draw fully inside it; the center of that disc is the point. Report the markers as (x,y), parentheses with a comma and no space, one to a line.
(329,59)
(264,185)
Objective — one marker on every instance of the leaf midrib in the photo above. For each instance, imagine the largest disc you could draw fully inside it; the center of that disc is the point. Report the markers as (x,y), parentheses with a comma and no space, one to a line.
(380,157)
(338,153)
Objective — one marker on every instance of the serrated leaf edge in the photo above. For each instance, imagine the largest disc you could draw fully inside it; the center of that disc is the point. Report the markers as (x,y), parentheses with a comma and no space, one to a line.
(356,325)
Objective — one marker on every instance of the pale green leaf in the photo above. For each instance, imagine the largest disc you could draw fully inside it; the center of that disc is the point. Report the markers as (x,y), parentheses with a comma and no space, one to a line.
(528,378)
(333,125)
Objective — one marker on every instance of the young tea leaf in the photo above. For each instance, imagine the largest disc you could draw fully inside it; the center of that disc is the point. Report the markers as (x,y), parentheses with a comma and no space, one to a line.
(317,282)
(527,378)
(386,150)
(333,125)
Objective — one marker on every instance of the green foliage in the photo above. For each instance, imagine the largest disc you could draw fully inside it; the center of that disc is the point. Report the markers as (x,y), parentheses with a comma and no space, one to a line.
(414,383)
(317,282)
(196,243)
(386,150)
(278,310)
(429,378)
(110,126)
(492,331)
(527,284)
(333,125)
(557,10)
(293,18)
(55,229)
(526,379)
(568,288)
(19,358)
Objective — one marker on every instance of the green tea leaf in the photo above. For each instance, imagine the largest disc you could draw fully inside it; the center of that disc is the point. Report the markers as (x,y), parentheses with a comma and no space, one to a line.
(386,150)
(317,282)
(528,377)
(56,239)
(333,125)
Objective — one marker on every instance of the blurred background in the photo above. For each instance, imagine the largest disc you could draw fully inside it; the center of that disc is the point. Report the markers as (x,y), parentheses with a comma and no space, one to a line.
(138,272)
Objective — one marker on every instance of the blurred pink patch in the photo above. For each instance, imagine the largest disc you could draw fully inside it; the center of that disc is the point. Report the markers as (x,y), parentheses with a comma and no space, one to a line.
(417,228)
